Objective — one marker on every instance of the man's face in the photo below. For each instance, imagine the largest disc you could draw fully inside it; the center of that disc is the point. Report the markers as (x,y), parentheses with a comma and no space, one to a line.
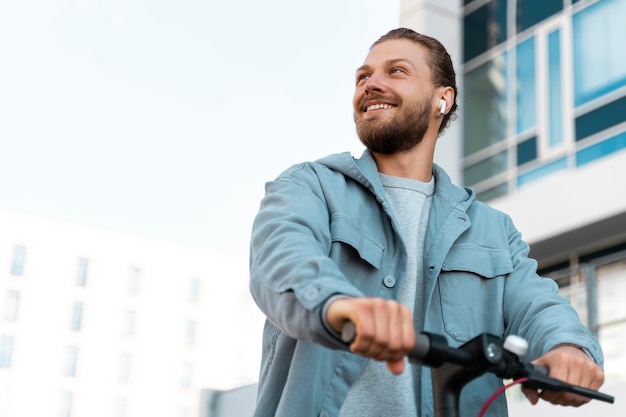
(393,97)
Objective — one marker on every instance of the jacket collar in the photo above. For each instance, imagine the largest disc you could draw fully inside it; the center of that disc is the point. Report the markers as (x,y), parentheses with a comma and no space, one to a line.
(364,171)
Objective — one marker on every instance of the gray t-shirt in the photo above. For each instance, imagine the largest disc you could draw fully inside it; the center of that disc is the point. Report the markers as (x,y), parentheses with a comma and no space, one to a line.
(377,392)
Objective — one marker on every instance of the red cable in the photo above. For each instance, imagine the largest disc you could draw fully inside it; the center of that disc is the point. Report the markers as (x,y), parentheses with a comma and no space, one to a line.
(498,392)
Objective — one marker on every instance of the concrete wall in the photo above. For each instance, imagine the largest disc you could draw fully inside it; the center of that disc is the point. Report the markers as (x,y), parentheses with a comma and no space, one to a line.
(441,20)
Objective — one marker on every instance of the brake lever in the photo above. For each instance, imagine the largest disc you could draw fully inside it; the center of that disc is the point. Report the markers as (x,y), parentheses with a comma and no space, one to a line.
(538,378)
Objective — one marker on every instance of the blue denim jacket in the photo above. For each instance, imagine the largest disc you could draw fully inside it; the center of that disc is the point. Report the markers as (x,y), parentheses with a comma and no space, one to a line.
(326,228)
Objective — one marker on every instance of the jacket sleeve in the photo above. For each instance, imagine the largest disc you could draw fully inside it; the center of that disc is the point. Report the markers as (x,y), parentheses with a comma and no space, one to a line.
(291,273)
(536,311)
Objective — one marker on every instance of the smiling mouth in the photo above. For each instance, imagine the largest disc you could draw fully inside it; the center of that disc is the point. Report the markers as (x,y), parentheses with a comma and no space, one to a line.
(379,107)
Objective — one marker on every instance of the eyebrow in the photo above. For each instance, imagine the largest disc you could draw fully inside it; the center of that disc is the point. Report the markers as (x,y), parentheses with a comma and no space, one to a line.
(389,62)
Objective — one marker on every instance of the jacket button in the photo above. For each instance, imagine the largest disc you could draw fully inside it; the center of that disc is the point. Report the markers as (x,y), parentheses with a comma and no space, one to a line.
(310,293)
(389,281)
(324,413)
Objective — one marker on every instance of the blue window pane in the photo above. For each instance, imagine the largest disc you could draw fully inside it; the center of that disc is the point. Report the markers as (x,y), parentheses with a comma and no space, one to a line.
(194,289)
(601,149)
(555,105)
(530,12)
(81,275)
(601,118)
(77,316)
(526,86)
(484,28)
(485,169)
(599,61)
(17,264)
(71,358)
(11,305)
(527,151)
(6,351)
(493,193)
(542,171)
(66,404)
(485,105)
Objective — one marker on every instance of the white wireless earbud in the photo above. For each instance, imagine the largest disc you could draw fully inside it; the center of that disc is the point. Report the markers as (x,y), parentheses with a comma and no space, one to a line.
(442,106)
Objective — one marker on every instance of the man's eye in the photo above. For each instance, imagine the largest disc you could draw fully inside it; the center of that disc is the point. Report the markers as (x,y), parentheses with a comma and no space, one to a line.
(396,70)
(361,78)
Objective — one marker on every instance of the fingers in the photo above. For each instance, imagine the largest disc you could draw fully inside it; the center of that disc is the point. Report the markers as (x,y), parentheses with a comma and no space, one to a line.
(384,328)
(531,394)
(572,365)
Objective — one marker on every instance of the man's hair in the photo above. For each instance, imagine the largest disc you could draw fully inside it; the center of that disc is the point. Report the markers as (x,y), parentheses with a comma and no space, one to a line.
(440,64)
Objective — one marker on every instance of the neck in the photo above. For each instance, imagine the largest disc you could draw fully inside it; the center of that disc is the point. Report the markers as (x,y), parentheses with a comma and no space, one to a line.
(416,163)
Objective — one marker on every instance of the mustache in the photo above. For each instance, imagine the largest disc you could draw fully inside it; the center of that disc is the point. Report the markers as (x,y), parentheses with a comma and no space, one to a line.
(363,103)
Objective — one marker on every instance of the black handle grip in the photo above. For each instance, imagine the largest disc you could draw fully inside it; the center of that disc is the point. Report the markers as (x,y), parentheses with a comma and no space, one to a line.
(538,378)
(430,349)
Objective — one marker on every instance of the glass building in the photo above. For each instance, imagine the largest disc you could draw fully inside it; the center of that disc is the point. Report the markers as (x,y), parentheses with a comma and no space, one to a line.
(544,89)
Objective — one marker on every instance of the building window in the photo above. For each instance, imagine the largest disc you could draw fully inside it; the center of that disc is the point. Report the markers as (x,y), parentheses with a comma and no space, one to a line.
(601,149)
(11,305)
(485,105)
(484,28)
(487,168)
(527,151)
(555,88)
(134,277)
(531,12)
(190,332)
(6,351)
(493,192)
(542,171)
(17,265)
(121,407)
(81,275)
(128,326)
(185,381)
(526,86)
(542,126)
(67,398)
(599,34)
(194,290)
(77,316)
(5,395)
(601,118)
(71,358)
(123,366)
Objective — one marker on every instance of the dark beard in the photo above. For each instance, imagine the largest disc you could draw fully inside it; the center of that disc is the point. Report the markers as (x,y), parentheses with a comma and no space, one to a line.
(399,135)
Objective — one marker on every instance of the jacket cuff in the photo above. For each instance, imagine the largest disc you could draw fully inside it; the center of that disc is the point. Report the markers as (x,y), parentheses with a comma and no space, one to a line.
(325,307)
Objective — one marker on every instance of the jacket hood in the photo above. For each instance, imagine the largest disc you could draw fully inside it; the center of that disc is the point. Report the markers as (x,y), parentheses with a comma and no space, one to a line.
(364,171)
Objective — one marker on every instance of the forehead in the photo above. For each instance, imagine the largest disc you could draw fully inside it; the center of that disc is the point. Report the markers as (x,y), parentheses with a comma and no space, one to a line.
(398,49)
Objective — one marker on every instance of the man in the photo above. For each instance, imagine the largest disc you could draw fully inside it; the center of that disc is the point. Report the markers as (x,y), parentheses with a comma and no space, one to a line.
(389,243)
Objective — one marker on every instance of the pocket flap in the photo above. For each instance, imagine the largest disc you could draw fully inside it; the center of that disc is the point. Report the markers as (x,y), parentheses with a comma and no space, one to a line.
(486,262)
(344,229)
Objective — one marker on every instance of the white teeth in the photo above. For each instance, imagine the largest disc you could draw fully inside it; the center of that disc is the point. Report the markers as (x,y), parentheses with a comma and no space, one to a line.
(378,106)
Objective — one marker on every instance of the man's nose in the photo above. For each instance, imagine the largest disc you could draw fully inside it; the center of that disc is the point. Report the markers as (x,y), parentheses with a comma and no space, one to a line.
(373,84)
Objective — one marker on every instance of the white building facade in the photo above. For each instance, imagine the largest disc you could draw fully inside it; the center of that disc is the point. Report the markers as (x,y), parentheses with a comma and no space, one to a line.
(95,323)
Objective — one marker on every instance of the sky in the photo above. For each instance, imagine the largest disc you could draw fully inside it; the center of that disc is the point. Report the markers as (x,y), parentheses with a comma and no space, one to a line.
(166,118)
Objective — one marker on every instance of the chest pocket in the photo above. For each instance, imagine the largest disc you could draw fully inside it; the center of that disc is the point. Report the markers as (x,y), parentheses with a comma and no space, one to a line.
(471,291)
(357,253)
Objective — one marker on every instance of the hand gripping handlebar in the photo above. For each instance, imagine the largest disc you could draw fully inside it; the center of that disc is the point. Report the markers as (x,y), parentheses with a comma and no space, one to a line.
(453,368)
